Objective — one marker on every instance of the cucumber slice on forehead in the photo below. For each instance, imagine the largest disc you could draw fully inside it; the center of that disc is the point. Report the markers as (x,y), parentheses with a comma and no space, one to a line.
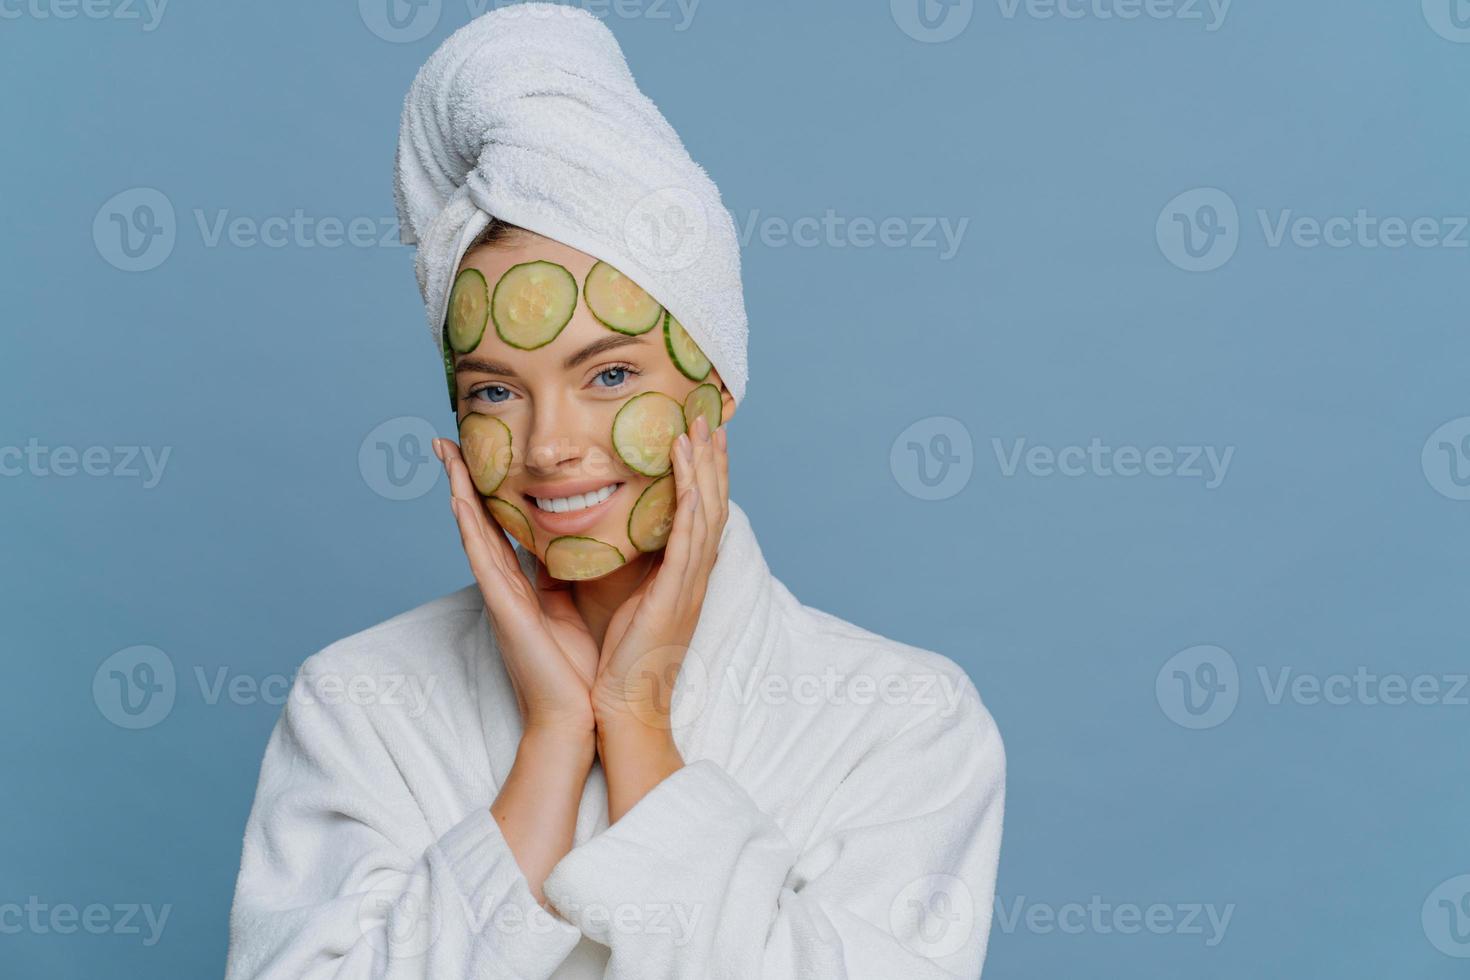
(514,520)
(573,556)
(618,302)
(703,400)
(469,306)
(486,443)
(652,517)
(644,431)
(688,358)
(532,302)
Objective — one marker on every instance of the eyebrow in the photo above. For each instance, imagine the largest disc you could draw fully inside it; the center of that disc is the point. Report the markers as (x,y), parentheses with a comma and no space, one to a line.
(486,366)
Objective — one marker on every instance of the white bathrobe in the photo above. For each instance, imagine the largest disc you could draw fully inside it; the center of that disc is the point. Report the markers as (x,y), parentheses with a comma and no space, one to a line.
(838,814)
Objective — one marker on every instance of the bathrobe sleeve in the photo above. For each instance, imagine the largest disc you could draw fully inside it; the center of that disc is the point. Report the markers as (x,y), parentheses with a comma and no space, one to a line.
(341,876)
(696,881)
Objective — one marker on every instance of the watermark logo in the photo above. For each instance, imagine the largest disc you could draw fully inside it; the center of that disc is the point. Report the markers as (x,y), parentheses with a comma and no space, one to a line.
(135,688)
(40,918)
(120,462)
(1450,19)
(148,13)
(1199,230)
(932,21)
(933,458)
(1446,459)
(933,916)
(1446,917)
(1103,918)
(1198,687)
(833,230)
(400,21)
(1206,463)
(667,687)
(1210,13)
(399,923)
(135,229)
(667,229)
(396,458)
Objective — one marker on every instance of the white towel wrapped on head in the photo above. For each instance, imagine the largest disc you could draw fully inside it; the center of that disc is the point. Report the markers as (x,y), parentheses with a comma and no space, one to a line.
(529,114)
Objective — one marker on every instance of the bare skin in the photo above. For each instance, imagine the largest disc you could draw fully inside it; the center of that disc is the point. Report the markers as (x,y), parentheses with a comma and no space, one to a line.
(592,662)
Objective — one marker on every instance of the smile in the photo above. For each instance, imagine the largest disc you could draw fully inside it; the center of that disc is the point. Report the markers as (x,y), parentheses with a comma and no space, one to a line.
(581,501)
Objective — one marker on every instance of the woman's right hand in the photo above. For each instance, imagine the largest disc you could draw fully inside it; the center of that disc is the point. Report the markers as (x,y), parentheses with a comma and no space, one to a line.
(548,653)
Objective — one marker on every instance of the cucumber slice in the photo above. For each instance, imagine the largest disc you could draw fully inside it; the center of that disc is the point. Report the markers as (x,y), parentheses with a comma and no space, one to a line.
(704,400)
(644,431)
(469,306)
(514,520)
(486,443)
(618,302)
(449,378)
(688,358)
(652,516)
(572,557)
(533,301)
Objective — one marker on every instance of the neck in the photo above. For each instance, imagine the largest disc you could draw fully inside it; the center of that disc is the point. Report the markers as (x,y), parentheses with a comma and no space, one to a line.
(597,599)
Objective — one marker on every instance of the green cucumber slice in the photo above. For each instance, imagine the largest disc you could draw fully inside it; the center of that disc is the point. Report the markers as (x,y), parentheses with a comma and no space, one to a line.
(644,431)
(652,516)
(449,377)
(703,400)
(532,302)
(573,557)
(618,302)
(486,444)
(688,358)
(469,306)
(514,520)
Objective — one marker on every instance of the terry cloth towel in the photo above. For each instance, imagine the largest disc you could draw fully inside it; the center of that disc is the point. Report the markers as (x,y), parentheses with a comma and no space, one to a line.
(838,814)
(529,114)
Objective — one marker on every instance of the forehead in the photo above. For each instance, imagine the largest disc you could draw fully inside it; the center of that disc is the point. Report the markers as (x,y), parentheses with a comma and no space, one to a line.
(494,261)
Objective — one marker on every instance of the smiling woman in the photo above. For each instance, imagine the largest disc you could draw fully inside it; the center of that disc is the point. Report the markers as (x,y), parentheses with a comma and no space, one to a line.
(622,771)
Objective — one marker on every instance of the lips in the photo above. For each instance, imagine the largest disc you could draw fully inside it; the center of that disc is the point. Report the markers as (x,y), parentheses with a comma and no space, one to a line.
(573,521)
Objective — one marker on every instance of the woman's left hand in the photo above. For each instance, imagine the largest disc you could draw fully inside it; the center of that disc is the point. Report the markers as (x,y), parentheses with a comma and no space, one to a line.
(649,634)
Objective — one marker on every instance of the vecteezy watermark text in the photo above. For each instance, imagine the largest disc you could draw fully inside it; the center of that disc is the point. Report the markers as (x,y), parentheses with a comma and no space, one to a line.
(121,462)
(1101,918)
(1207,463)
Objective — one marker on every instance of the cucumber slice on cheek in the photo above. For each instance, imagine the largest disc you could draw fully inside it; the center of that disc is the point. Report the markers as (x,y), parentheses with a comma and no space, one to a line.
(618,302)
(514,520)
(703,400)
(644,431)
(486,443)
(469,306)
(532,302)
(652,517)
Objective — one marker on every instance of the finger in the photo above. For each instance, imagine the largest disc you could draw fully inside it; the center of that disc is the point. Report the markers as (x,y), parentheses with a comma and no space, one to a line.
(722,466)
(493,554)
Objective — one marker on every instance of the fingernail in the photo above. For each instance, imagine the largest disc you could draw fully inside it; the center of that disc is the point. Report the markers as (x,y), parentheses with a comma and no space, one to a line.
(685,446)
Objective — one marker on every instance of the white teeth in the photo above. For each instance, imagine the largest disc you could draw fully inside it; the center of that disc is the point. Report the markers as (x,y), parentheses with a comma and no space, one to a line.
(581,501)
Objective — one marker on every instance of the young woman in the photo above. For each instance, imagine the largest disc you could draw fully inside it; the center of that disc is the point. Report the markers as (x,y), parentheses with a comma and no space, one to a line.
(627,750)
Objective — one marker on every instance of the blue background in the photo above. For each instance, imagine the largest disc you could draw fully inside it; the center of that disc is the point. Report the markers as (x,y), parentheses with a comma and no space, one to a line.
(1061,318)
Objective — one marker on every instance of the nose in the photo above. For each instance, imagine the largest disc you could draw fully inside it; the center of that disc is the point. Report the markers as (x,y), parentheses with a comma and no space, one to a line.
(560,437)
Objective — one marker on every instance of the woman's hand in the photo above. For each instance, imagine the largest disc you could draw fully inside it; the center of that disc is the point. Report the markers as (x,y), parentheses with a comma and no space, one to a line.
(548,653)
(648,635)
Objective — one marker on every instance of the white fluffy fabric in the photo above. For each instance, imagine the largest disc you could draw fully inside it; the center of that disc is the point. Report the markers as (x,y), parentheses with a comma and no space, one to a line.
(529,114)
(838,814)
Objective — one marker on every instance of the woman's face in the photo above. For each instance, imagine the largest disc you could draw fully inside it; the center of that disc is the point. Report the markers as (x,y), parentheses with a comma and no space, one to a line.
(558,402)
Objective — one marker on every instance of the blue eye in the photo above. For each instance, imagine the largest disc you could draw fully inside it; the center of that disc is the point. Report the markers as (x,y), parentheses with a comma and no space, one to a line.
(478,392)
(620,370)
